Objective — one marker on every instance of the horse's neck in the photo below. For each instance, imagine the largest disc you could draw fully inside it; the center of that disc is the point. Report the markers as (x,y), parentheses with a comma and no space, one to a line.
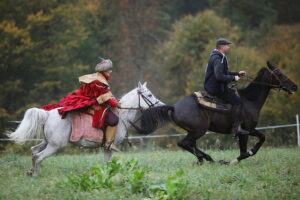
(262,94)
(256,93)
(127,116)
(130,100)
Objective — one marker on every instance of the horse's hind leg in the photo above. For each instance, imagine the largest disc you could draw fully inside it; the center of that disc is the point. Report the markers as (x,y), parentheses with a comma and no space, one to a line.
(39,157)
(205,156)
(34,150)
(38,148)
(189,143)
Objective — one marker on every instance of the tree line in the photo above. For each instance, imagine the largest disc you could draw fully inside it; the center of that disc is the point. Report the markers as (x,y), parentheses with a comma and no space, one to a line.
(46,45)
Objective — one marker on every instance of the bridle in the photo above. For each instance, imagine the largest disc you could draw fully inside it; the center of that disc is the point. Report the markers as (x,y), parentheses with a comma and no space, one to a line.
(272,73)
(147,101)
(276,76)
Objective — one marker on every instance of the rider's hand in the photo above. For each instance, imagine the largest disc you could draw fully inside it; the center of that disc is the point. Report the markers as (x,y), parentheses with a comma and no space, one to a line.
(242,73)
(236,78)
(113,103)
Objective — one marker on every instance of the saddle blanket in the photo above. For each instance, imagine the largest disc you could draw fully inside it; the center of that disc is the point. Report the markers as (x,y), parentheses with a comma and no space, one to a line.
(82,128)
(211,102)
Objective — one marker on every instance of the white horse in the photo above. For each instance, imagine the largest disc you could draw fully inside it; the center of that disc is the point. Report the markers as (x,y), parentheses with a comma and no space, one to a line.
(56,131)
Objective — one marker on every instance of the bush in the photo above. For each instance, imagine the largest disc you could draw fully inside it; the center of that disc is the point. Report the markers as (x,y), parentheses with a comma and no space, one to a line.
(117,175)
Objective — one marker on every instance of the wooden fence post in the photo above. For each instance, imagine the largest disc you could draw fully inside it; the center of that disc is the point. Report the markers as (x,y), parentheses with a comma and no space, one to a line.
(298,129)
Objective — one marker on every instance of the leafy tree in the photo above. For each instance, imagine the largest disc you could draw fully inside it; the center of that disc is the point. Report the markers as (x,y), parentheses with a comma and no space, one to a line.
(247,14)
(38,53)
(179,8)
(288,11)
(182,52)
(46,45)
(282,48)
(142,26)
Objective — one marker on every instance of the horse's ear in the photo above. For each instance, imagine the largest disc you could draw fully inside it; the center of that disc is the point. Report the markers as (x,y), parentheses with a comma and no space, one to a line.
(145,85)
(269,64)
(140,85)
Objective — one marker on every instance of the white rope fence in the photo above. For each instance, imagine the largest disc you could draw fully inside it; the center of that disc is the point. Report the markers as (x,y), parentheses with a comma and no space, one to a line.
(298,129)
(178,135)
(208,132)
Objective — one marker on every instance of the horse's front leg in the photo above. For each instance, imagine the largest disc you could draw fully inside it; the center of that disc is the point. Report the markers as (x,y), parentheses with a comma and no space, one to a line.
(107,155)
(243,145)
(243,140)
(261,138)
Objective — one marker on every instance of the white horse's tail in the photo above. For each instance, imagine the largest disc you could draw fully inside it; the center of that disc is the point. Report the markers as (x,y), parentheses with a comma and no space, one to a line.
(31,126)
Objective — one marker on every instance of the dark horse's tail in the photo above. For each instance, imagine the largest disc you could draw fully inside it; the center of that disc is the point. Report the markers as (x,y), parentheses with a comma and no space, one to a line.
(153,117)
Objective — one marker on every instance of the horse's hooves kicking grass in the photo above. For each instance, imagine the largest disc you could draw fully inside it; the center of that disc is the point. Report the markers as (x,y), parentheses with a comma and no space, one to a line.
(30,172)
(200,162)
(223,162)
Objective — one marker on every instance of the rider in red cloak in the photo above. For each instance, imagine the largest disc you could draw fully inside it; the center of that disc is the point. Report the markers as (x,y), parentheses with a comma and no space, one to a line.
(93,97)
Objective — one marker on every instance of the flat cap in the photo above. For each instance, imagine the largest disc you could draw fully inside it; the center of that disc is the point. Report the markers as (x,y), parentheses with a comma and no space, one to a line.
(222,41)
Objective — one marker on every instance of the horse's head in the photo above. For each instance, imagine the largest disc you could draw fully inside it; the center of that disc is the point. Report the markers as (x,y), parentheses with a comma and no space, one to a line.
(146,98)
(280,80)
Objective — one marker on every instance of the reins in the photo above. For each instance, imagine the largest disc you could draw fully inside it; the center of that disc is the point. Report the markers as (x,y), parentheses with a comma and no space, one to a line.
(128,108)
(252,80)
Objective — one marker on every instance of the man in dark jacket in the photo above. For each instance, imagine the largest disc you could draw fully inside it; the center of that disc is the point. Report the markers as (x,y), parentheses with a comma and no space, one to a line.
(217,77)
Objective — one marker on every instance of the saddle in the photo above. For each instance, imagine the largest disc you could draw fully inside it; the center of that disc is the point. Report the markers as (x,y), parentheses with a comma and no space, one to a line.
(211,102)
(83,133)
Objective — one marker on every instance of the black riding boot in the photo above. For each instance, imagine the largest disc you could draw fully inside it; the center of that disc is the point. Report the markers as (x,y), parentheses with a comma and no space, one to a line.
(238,120)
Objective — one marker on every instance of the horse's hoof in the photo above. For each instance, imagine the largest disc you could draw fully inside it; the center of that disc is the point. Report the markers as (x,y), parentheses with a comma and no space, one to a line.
(113,147)
(200,162)
(30,172)
(223,162)
(234,161)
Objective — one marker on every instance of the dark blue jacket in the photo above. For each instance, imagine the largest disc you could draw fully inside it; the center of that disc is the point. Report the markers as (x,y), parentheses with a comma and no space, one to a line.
(217,75)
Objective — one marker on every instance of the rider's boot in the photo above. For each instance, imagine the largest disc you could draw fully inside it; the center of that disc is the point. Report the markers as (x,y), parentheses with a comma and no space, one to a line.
(110,134)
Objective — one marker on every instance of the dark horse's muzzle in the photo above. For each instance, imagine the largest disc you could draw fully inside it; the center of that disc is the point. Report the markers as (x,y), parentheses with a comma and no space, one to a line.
(294,88)
(291,89)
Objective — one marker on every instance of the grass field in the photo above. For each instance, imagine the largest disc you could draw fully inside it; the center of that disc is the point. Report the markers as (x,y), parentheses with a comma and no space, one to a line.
(274,173)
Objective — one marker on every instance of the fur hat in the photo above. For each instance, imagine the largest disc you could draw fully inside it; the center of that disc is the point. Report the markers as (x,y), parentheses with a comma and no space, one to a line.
(104,65)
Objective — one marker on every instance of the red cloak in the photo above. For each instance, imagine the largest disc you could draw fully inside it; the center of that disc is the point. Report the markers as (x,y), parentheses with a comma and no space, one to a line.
(93,97)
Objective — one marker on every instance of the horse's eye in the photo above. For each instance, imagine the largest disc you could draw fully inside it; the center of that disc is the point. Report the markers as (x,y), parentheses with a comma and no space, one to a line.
(150,95)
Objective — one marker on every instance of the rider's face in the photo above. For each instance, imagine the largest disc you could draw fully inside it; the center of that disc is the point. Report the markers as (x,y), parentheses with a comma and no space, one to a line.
(226,48)
(108,72)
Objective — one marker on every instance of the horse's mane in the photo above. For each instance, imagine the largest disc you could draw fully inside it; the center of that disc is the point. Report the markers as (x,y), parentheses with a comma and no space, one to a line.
(250,91)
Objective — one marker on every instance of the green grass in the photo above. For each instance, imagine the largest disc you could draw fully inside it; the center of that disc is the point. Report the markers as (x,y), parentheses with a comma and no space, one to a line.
(274,173)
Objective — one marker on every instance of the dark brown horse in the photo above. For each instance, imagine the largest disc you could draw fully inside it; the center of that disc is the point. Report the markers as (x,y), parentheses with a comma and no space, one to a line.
(196,120)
